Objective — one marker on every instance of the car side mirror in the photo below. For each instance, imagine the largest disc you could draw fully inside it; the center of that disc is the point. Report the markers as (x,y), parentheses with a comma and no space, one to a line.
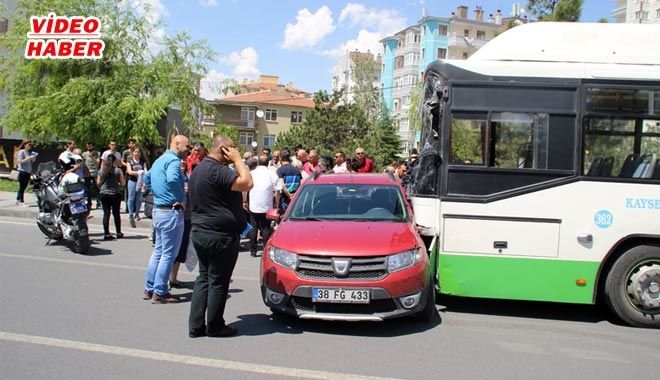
(273,214)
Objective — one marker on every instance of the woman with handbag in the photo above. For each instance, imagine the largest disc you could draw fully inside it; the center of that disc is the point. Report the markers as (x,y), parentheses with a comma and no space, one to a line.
(24,163)
(109,181)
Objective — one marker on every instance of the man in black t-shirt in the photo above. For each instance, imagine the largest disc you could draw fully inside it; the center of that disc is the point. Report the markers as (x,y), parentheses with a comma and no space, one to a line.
(217,221)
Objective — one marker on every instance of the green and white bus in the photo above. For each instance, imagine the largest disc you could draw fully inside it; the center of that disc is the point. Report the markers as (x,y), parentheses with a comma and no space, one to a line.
(538,176)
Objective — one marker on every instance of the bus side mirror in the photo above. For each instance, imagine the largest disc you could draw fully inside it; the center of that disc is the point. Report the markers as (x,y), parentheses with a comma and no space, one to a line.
(273,214)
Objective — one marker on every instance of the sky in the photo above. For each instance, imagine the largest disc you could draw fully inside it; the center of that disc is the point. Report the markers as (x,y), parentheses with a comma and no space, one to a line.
(300,41)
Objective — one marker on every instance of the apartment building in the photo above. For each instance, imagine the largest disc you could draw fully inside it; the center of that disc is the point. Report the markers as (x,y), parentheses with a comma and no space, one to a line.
(637,11)
(261,115)
(342,75)
(407,53)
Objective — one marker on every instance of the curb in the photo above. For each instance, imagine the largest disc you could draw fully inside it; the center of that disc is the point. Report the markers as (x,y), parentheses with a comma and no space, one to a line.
(96,220)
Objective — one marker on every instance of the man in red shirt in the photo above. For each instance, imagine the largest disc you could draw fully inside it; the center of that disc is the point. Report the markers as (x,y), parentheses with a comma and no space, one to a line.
(366,165)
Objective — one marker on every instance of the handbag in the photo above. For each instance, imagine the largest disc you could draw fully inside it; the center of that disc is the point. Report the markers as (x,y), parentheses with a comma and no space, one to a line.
(13,175)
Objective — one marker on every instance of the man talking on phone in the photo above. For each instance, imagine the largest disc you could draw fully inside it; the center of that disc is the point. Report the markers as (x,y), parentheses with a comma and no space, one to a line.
(217,221)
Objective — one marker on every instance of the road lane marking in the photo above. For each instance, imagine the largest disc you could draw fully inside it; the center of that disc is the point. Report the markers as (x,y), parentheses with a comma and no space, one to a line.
(106,265)
(183,359)
(136,231)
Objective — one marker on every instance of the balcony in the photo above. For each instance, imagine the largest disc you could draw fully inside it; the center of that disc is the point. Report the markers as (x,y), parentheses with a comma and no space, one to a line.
(462,41)
(241,124)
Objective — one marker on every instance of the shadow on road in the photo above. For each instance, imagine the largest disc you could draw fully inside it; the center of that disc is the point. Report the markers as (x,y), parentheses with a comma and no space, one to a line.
(526,309)
(262,324)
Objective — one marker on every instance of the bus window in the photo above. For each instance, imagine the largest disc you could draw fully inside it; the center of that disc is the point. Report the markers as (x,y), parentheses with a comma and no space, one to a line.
(467,141)
(616,147)
(520,140)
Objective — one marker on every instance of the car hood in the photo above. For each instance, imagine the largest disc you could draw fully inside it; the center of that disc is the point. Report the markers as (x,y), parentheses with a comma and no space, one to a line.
(344,238)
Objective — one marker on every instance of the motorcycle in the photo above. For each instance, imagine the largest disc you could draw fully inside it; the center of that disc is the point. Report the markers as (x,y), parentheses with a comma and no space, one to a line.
(62,206)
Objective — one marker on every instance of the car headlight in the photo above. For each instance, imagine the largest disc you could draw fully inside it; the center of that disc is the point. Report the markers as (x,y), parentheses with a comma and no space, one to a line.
(284,258)
(403,260)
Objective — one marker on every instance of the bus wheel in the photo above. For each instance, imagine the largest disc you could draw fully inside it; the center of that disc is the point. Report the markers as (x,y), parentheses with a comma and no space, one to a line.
(632,287)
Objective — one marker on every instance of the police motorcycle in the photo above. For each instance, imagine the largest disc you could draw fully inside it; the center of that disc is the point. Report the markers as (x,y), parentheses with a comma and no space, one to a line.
(62,204)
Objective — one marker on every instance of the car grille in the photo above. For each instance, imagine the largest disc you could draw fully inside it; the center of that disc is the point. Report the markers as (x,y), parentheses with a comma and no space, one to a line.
(383,305)
(369,268)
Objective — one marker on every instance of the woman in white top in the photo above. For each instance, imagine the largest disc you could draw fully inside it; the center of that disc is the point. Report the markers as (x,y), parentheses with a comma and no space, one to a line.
(24,163)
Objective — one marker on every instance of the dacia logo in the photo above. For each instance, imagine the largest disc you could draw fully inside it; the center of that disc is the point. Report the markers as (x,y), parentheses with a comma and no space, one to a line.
(341,266)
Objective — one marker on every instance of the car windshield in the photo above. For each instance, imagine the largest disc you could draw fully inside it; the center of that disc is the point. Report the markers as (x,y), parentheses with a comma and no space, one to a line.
(349,202)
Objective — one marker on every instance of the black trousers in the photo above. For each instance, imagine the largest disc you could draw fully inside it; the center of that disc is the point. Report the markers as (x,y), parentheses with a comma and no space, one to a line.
(111,204)
(217,253)
(261,224)
(23,181)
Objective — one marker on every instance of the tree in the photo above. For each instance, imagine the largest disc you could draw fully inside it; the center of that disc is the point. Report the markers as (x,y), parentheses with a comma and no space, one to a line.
(384,141)
(231,86)
(222,129)
(122,95)
(556,10)
(331,126)
(364,70)
(328,126)
(414,111)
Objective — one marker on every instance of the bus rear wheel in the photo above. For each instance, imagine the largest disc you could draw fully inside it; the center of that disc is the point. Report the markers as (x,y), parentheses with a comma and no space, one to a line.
(632,287)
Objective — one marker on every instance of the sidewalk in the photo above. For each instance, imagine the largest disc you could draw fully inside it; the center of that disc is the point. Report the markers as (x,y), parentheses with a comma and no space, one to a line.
(30,211)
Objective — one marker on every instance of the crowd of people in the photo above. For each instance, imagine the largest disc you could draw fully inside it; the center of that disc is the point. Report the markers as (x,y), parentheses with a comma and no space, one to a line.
(207,197)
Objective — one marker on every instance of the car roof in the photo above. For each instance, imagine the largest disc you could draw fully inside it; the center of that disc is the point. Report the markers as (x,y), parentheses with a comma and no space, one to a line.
(361,178)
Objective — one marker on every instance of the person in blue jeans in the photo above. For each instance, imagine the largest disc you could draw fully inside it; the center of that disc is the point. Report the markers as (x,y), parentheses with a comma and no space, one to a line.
(167,185)
(135,164)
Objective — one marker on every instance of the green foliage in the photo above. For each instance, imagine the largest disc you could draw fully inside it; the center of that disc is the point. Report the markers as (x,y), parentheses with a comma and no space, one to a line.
(556,10)
(9,185)
(227,130)
(383,141)
(222,129)
(414,111)
(120,96)
(365,95)
(331,126)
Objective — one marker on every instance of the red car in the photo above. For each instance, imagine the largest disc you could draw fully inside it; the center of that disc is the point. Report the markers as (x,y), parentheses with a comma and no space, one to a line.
(347,249)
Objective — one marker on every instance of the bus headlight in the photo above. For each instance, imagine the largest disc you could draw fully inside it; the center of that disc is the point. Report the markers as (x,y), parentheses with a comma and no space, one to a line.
(403,260)
(284,258)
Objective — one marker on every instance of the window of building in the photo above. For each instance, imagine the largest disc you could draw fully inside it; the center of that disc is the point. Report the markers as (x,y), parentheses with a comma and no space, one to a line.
(417,38)
(442,30)
(411,58)
(466,32)
(442,53)
(465,55)
(269,140)
(247,113)
(405,102)
(642,15)
(481,35)
(296,116)
(657,12)
(398,62)
(245,138)
(397,105)
(404,125)
(271,114)
(423,53)
(4,25)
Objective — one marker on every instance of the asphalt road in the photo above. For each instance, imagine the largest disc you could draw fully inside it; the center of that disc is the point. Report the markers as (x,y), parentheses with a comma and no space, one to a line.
(67,316)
